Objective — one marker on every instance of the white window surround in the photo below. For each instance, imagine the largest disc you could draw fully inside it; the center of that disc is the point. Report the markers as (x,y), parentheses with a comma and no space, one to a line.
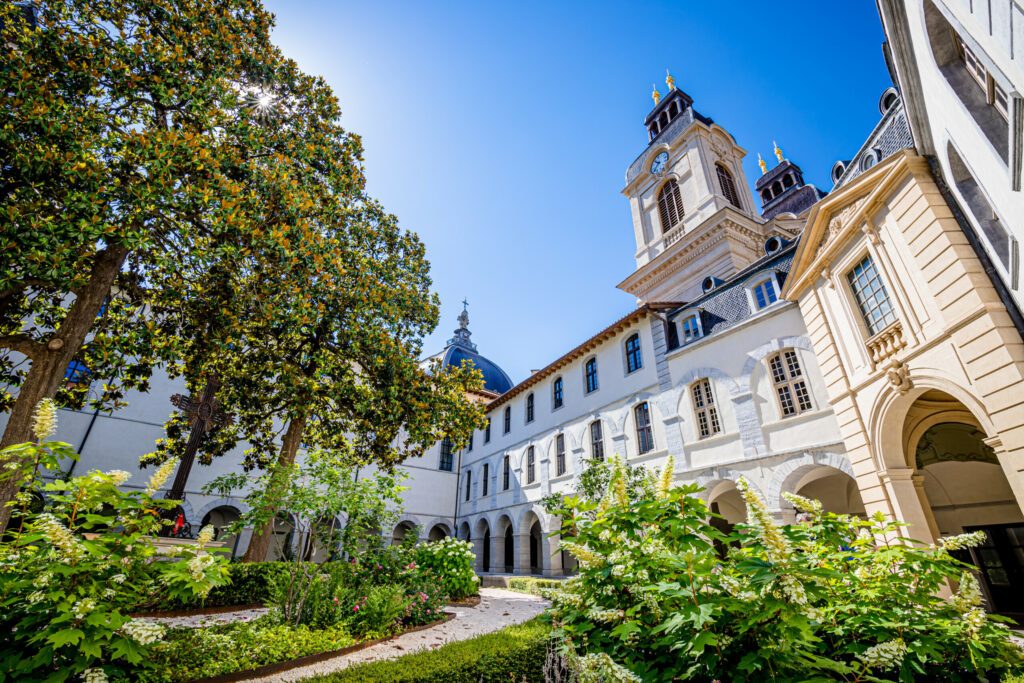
(756,280)
(691,314)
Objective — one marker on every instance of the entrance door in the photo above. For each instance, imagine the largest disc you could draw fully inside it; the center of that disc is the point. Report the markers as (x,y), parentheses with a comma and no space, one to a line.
(1001,561)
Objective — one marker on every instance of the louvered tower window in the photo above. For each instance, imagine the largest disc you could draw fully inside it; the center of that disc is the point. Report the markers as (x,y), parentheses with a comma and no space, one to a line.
(728,186)
(670,205)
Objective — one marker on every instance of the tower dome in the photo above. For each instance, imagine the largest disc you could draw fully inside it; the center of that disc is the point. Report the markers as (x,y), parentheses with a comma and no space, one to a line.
(459,348)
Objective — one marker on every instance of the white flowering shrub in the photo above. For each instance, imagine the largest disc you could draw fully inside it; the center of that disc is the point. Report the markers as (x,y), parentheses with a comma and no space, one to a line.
(450,561)
(663,595)
(71,572)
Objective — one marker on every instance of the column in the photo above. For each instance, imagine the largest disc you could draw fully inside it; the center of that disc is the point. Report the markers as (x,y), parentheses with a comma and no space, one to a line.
(522,554)
(905,491)
(478,550)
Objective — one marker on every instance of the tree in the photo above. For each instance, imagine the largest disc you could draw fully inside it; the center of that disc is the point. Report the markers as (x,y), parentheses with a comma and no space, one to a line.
(126,167)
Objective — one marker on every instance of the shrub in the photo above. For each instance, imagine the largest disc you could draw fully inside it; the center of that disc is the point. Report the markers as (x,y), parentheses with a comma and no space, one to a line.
(425,601)
(532,585)
(249,583)
(451,562)
(376,613)
(190,653)
(836,598)
(515,653)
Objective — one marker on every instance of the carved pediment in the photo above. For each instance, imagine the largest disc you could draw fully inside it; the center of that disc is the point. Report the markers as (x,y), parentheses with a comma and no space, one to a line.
(838,221)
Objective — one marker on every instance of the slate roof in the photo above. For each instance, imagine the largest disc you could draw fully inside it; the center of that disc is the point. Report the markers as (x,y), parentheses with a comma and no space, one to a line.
(891,134)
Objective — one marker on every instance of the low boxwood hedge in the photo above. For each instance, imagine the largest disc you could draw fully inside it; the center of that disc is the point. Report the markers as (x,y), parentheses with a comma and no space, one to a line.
(515,653)
(531,584)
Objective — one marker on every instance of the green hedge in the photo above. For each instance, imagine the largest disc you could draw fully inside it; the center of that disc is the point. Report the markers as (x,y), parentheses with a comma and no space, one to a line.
(530,584)
(515,653)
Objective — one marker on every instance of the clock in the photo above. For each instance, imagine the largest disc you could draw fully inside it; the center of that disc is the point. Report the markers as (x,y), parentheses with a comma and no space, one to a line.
(658,165)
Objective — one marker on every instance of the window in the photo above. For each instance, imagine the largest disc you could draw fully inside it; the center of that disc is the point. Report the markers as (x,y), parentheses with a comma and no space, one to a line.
(644,434)
(634,361)
(691,328)
(596,441)
(557,394)
(764,293)
(560,455)
(446,455)
(531,466)
(728,186)
(704,409)
(469,477)
(670,205)
(506,473)
(789,383)
(77,373)
(872,299)
(487,431)
(508,419)
(486,479)
(529,408)
(469,446)
(590,371)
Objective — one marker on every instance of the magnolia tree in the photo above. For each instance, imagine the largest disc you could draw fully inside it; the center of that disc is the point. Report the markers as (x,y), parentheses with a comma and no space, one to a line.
(835,598)
(72,570)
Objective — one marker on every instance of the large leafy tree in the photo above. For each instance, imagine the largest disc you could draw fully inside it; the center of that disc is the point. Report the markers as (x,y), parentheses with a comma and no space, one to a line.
(126,142)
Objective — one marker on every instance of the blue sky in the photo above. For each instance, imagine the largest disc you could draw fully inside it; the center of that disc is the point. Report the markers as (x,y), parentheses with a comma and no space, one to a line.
(501,132)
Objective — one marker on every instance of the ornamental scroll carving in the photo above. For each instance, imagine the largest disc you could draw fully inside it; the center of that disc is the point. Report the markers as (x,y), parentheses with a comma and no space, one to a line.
(838,221)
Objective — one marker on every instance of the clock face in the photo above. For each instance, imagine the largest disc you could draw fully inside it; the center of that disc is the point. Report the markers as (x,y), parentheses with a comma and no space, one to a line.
(658,165)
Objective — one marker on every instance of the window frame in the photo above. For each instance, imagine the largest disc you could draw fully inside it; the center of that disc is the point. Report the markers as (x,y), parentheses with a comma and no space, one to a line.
(706,418)
(507,420)
(731,194)
(485,478)
(696,316)
(644,428)
(487,430)
(587,365)
(597,445)
(469,483)
(446,460)
(633,355)
(885,320)
(557,393)
(531,465)
(758,281)
(790,386)
(531,412)
(506,472)
(670,204)
(560,467)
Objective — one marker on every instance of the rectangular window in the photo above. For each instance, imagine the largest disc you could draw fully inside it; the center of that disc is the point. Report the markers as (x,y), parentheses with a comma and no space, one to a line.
(487,431)
(508,419)
(704,409)
(506,473)
(591,375)
(469,477)
(469,446)
(557,394)
(634,360)
(446,455)
(871,296)
(529,408)
(560,455)
(531,466)
(596,441)
(487,478)
(974,66)
(790,386)
(691,329)
(1000,101)
(764,293)
(644,433)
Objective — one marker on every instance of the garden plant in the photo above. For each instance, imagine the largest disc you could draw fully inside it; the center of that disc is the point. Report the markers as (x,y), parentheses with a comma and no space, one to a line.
(663,595)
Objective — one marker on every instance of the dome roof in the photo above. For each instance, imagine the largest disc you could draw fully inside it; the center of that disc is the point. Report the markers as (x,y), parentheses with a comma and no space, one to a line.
(459,348)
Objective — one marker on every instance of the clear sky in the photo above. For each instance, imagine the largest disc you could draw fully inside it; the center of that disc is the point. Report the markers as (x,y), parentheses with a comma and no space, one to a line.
(501,132)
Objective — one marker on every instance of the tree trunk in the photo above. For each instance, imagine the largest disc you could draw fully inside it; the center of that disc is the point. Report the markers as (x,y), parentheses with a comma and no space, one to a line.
(259,544)
(50,360)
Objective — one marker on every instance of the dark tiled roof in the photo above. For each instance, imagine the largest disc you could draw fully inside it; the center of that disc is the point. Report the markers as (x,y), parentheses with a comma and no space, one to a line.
(890,136)
(795,202)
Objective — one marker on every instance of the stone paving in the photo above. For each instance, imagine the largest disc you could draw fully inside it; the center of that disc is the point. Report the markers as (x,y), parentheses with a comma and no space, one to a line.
(497,609)
(197,620)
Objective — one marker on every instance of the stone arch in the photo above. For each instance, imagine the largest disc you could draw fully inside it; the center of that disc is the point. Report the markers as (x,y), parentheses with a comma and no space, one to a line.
(190,516)
(720,377)
(533,552)
(404,526)
(438,529)
(465,533)
(504,554)
(222,502)
(723,497)
(482,543)
(756,356)
(789,473)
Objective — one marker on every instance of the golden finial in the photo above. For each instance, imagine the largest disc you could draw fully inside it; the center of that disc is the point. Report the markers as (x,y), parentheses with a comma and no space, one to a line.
(655,95)
(762,163)
(778,152)
(670,81)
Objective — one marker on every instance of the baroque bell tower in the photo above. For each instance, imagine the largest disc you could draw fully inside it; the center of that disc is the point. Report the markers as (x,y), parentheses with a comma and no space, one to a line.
(693,213)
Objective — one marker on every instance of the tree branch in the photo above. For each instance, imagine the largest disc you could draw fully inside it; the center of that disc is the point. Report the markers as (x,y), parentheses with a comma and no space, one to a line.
(23,344)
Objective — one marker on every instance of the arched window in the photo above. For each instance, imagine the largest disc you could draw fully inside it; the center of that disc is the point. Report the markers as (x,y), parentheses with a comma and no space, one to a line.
(446,455)
(486,477)
(634,361)
(644,433)
(728,186)
(790,386)
(776,188)
(764,293)
(787,180)
(557,394)
(469,480)
(529,408)
(766,195)
(506,473)
(560,455)
(670,205)
(596,441)
(705,411)
(691,328)
(590,373)
(531,466)
(508,419)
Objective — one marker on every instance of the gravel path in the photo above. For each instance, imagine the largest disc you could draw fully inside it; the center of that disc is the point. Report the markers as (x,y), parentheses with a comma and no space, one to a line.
(498,608)
(195,621)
